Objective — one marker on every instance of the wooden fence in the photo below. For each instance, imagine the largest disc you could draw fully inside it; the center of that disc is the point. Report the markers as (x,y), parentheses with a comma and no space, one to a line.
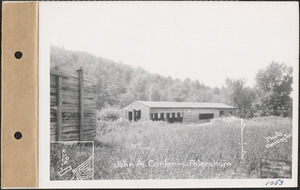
(72,106)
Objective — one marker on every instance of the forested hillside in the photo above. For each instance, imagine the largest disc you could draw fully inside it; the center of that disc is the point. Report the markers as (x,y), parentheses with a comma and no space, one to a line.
(120,84)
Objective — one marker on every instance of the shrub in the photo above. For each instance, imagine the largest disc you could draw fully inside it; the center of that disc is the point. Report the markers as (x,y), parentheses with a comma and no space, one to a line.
(109,114)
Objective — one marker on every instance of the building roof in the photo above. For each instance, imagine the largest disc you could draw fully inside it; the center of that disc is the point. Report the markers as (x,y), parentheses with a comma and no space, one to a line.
(153,104)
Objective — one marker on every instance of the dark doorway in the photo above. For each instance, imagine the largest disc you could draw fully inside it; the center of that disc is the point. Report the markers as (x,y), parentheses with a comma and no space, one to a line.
(173,115)
(137,115)
(168,117)
(173,118)
(205,116)
(152,116)
(221,113)
(179,119)
(130,115)
(162,116)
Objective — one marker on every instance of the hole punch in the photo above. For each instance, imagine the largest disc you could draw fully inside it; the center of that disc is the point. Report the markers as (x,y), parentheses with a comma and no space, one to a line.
(18,135)
(18,54)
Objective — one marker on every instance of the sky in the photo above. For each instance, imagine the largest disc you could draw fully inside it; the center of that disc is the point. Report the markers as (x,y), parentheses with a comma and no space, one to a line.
(208,41)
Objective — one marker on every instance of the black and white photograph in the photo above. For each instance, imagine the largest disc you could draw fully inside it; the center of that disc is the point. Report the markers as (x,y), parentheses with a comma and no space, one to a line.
(169,91)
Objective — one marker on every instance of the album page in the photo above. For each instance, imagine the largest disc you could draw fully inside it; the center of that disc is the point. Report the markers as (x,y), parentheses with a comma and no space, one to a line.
(168,94)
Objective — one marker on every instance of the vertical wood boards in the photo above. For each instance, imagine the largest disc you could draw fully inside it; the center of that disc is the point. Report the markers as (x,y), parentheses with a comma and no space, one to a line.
(81,116)
(59,107)
(73,106)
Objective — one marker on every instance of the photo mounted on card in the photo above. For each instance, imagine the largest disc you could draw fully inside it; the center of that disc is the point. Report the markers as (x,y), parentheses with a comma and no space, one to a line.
(168,94)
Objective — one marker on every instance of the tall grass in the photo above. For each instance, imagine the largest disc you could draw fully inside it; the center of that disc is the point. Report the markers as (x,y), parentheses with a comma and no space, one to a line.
(214,142)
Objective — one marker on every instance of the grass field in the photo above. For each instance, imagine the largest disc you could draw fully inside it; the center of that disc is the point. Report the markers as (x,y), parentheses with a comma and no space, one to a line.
(157,150)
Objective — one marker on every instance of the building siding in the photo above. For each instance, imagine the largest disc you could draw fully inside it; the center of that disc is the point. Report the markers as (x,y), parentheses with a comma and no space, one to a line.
(192,114)
(137,106)
(188,115)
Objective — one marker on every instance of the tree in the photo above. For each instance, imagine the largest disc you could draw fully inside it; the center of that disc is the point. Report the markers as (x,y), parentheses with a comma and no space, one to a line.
(274,85)
(177,91)
(141,86)
(239,95)
(126,99)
